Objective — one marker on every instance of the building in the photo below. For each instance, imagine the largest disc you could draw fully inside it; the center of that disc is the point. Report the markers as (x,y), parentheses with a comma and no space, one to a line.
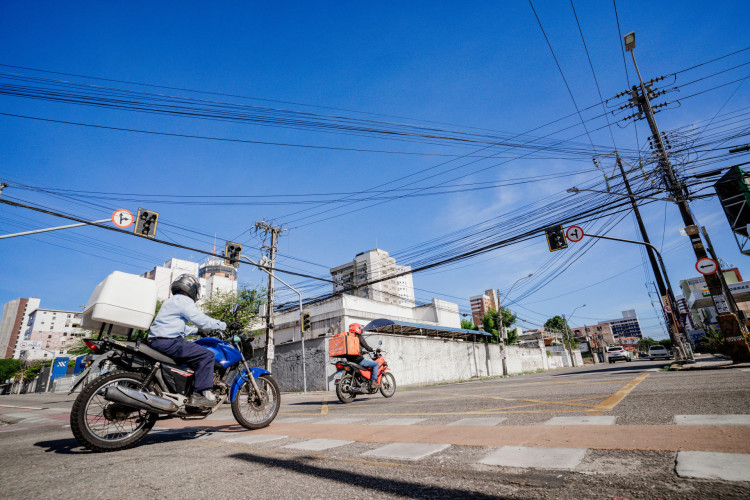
(49,332)
(213,274)
(685,317)
(700,305)
(599,335)
(14,323)
(372,266)
(335,314)
(625,330)
(480,304)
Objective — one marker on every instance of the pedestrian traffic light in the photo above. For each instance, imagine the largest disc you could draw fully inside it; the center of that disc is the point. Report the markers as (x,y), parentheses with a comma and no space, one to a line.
(232,254)
(145,223)
(556,238)
(306,325)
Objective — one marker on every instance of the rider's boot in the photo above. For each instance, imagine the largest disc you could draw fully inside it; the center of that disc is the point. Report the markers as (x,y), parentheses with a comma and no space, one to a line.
(206,399)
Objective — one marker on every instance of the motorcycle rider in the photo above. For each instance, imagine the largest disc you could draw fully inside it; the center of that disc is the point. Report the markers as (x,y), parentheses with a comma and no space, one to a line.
(356,328)
(168,331)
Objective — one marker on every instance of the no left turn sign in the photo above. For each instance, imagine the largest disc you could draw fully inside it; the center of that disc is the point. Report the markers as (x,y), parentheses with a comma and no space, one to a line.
(706,266)
(122,218)
(574,234)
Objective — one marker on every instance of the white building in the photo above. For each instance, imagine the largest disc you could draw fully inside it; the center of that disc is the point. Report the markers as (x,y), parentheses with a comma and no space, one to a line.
(213,276)
(14,323)
(49,333)
(626,330)
(371,266)
(334,315)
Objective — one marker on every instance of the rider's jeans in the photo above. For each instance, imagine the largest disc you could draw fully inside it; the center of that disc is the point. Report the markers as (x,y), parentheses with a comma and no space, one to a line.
(195,356)
(368,363)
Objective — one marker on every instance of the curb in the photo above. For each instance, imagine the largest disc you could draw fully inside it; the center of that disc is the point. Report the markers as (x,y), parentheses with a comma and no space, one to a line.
(678,367)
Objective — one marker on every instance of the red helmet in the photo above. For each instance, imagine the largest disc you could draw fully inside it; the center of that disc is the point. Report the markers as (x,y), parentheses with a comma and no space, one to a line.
(355,328)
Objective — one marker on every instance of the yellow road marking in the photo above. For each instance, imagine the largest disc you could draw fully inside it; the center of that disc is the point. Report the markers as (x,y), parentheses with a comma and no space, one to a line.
(324,408)
(612,401)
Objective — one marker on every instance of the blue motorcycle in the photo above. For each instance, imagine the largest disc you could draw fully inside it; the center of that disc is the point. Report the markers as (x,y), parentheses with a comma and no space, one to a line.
(138,386)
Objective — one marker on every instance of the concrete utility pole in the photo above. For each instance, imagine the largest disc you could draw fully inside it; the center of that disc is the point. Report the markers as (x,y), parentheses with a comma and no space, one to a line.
(640,98)
(268,227)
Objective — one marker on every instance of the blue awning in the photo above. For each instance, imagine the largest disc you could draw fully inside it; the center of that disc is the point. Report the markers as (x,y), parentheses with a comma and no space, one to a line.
(383,325)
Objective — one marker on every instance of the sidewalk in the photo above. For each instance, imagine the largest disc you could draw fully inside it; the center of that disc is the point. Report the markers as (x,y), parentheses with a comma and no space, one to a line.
(709,362)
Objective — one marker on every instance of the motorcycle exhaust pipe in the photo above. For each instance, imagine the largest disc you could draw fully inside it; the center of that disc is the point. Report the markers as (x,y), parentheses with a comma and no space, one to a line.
(139,399)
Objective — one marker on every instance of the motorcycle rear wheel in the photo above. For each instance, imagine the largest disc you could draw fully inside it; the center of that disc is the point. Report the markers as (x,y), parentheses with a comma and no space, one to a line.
(387,385)
(255,412)
(102,425)
(343,389)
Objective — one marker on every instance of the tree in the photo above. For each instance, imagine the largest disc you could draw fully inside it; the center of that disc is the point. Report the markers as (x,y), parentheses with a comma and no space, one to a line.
(512,336)
(9,368)
(645,343)
(509,318)
(558,324)
(221,305)
(468,325)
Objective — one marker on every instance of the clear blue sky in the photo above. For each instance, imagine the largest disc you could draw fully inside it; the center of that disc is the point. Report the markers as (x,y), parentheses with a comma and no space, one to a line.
(482,68)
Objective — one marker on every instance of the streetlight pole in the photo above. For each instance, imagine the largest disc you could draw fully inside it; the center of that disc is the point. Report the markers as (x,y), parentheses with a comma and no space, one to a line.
(503,330)
(566,332)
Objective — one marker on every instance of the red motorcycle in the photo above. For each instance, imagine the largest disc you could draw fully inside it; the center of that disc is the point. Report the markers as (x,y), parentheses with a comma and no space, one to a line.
(352,379)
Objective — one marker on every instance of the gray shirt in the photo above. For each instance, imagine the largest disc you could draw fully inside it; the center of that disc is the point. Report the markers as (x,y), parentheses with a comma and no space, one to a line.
(175,312)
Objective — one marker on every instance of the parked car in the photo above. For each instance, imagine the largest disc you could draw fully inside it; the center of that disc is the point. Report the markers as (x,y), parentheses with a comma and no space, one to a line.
(658,352)
(617,353)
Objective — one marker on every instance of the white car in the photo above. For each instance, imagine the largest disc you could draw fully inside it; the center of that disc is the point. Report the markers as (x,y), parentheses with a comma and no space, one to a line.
(657,352)
(617,353)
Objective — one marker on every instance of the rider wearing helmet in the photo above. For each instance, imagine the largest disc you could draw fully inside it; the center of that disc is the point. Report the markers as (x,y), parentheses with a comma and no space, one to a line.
(168,331)
(356,328)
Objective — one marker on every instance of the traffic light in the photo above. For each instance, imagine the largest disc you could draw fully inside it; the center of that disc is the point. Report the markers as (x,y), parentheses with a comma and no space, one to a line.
(232,254)
(734,196)
(306,325)
(556,238)
(145,223)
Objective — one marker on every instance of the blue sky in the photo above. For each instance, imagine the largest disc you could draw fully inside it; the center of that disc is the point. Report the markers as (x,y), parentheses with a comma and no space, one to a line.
(481,67)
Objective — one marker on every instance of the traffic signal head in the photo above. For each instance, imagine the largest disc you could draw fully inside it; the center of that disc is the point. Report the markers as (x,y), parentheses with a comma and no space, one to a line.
(556,238)
(232,254)
(734,196)
(145,223)
(306,325)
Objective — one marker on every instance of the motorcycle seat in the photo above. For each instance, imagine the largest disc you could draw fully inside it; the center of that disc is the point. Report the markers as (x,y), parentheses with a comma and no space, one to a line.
(151,353)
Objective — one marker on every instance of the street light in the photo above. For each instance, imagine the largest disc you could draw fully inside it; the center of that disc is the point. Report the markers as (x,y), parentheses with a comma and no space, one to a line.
(567,333)
(503,331)
(630,41)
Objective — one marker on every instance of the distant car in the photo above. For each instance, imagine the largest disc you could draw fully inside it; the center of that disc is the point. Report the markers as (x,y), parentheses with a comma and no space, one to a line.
(658,352)
(617,353)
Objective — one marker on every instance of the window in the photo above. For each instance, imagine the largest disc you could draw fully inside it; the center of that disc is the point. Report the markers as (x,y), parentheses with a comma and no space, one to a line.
(49,336)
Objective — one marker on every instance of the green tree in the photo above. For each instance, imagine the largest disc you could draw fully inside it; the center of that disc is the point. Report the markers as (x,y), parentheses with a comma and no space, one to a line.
(490,322)
(509,318)
(468,325)
(558,324)
(645,343)
(9,368)
(512,336)
(221,305)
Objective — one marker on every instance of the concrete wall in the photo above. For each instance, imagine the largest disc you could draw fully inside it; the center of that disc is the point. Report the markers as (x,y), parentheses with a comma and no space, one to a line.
(412,360)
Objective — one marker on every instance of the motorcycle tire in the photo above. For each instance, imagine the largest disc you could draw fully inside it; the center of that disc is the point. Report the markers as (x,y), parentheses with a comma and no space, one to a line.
(255,412)
(387,385)
(342,389)
(102,425)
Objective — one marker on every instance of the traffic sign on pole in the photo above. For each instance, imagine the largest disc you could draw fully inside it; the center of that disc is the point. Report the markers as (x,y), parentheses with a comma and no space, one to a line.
(667,308)
(574,233)
(122,218)
(706,266)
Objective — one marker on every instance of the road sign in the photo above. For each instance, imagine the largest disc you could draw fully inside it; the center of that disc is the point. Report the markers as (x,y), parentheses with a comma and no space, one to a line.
(667,309)
(574,233)
(706,266)
(122,218)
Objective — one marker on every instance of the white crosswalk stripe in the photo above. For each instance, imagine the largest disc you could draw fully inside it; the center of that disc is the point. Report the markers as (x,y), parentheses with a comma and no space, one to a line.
(710,465)
(318,444)
(541,458)
(400,421)
(406,451)
(583,420)
(712,419)
(483,421)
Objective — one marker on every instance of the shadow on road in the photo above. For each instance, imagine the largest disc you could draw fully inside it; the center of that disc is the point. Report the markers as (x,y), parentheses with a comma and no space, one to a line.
(378,485)
(625,368)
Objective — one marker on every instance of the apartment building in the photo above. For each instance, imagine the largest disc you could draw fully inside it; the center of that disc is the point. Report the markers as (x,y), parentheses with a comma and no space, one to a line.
(372,266)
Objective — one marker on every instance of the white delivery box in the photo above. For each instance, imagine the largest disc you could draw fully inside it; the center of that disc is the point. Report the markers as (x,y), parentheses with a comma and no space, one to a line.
(123,300)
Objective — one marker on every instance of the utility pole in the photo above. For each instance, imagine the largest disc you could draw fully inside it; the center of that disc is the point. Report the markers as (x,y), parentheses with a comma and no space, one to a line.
(640,97)
(665,294)
(268,227)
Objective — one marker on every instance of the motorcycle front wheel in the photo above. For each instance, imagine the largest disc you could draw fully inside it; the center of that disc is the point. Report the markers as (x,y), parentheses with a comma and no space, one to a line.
(255,411)
(387,385)
(343,389)
(102,425)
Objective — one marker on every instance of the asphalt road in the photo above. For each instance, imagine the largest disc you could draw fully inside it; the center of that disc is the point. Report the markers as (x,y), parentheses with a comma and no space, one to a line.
(600,432)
